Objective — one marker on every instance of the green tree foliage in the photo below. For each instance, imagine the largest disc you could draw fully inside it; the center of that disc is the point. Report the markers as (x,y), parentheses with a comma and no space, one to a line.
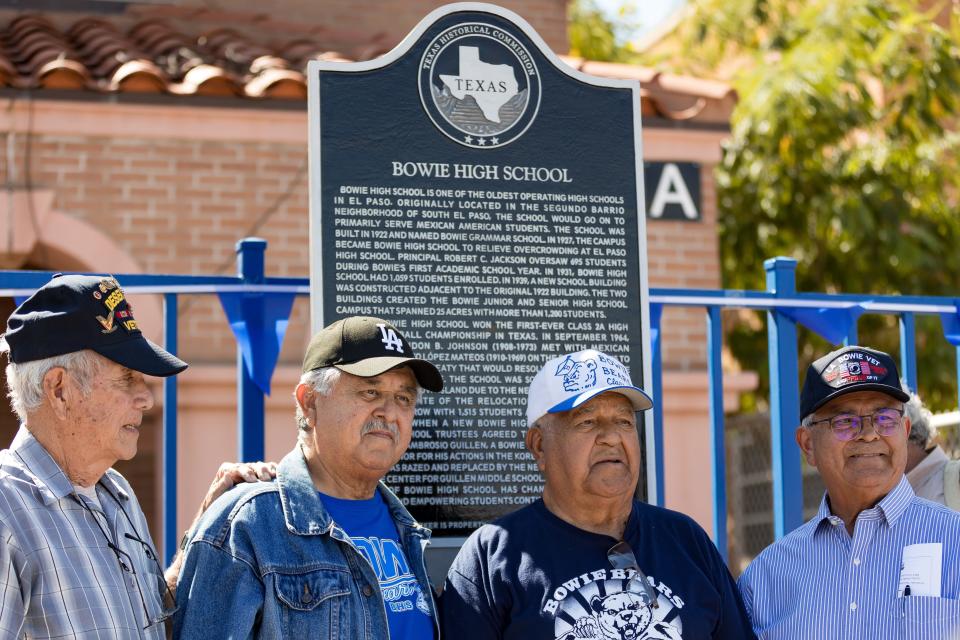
(842,155)
(594,36)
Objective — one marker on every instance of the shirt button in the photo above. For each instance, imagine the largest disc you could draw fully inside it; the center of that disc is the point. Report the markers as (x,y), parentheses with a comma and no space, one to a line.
(853,606)
(367,590)
(856,561)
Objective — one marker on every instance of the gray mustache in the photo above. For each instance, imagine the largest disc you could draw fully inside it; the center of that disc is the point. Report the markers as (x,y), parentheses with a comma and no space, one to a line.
(380,425)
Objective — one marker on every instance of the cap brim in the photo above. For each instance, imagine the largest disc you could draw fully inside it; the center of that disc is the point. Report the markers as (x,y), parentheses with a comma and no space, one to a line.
(899,394)
(144,356)
(427,375)
(640,400)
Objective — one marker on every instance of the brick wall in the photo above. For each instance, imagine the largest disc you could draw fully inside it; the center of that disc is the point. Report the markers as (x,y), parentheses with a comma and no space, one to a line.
(686,254)
(180,207)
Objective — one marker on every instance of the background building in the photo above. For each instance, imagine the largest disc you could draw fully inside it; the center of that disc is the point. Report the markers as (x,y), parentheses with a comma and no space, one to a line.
(151,138)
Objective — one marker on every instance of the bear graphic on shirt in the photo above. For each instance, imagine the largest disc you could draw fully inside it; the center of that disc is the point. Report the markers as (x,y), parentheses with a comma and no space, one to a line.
(621,616)
(609,605)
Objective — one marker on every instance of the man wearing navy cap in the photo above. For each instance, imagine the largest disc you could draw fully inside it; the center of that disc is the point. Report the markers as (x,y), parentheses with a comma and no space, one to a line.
(76,557)
(588,560)
(876,562)
(327,551)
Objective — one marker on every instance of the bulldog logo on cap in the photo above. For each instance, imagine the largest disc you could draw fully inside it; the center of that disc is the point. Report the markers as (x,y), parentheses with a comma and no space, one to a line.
(577,376)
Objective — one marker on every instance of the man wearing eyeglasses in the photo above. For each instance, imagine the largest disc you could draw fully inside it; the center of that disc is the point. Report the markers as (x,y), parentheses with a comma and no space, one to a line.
(76,558)
(876,562)
(588,560)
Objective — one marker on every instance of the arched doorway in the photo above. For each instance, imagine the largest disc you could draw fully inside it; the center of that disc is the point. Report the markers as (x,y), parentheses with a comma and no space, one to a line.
(43,239)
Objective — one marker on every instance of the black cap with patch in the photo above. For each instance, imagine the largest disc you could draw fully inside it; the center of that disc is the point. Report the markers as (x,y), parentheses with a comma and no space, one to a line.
(366,347)
(75,312)
(847,370)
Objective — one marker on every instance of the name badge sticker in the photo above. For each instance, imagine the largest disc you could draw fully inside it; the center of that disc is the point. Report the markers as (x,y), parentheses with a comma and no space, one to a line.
(921,570)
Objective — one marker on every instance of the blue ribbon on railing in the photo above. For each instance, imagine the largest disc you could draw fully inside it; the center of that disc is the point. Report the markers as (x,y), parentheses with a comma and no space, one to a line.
(951,325)
(259,322)
(832,324)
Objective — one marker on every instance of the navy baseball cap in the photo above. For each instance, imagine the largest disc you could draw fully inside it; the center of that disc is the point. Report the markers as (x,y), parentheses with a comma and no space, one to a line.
(847,370)
(76,312)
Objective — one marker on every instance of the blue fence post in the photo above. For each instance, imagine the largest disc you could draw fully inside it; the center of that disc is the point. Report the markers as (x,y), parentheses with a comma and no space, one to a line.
(908,350)
(718,459)
(958,376)
(169,433)
(784,402)
(250,425)
(655,458)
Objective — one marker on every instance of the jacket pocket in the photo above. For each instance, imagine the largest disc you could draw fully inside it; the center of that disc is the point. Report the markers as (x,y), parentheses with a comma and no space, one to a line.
(311,603)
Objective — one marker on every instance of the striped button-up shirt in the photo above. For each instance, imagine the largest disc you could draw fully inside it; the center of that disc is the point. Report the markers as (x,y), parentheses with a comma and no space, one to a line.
(58,576)
(819,583)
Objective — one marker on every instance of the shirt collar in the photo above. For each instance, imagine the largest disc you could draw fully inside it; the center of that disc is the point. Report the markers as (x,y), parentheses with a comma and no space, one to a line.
(891,507)
(52,482)
(110,484)
(50,478)
(303,510)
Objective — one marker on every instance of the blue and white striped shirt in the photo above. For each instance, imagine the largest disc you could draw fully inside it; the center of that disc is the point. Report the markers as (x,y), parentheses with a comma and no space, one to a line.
(58,577)
(818,583)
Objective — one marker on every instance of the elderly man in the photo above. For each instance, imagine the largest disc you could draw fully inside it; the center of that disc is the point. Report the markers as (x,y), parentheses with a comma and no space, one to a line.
(931,473)
(327,551)
(588,560)
(76,557)
(876,562)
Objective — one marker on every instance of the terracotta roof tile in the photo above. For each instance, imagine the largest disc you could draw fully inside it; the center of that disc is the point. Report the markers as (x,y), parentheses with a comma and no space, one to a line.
(151,56)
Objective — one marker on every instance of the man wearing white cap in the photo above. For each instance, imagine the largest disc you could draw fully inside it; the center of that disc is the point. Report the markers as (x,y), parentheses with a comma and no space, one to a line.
(588,560)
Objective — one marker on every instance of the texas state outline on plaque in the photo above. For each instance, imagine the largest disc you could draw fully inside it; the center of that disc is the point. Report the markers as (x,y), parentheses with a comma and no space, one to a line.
(491,85)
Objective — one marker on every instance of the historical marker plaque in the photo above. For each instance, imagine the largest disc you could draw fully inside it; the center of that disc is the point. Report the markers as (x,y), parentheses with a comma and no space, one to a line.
(485,197)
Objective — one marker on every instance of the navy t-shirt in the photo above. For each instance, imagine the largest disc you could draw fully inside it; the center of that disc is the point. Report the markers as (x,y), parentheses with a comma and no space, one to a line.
(369,525)
(533,576)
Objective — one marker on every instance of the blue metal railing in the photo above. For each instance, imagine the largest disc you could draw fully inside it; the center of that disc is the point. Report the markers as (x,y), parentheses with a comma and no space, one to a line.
(782,348)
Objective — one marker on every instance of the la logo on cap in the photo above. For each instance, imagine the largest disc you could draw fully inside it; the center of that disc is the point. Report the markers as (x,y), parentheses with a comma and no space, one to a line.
(390,339)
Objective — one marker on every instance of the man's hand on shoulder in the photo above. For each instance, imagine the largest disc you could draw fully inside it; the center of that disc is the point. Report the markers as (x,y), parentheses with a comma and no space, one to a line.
(228,476)
(231,474)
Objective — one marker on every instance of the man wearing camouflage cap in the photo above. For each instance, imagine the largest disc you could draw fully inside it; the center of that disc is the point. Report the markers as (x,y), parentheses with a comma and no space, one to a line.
(327,550)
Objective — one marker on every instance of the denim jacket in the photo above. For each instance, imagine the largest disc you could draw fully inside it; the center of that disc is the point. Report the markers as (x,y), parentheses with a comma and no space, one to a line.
(268,561)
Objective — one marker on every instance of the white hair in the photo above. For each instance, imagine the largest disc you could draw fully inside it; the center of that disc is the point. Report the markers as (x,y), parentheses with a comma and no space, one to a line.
(321,381)
(921,431)
(25,379)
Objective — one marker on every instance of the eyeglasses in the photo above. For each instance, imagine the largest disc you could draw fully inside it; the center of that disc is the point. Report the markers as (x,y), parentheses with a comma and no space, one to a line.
(621,557)
(127,565)
(847,426)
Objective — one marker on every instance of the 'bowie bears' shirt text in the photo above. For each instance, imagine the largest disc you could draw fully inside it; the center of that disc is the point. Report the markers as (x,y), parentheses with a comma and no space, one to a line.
(533,576)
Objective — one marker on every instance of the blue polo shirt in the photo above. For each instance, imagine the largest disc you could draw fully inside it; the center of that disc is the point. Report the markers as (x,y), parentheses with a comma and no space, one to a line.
(369,525)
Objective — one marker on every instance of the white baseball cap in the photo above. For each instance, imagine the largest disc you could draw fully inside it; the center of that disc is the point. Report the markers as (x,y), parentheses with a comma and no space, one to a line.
(566,382)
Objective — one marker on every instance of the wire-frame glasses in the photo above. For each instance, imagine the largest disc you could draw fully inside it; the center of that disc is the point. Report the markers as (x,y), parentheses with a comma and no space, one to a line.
(621,557)
(168,607)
